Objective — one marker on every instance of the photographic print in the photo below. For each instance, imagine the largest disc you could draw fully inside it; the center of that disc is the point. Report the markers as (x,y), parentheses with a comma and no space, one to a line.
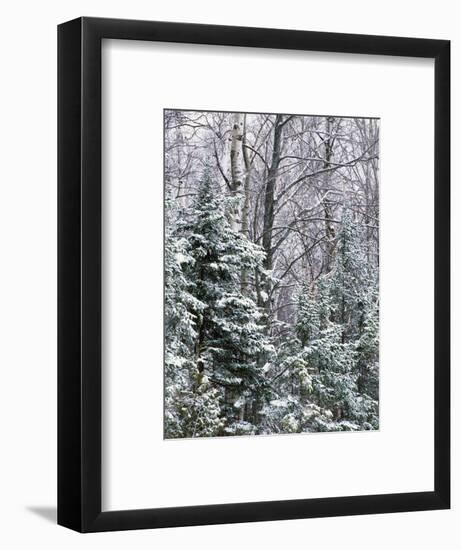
(271,278)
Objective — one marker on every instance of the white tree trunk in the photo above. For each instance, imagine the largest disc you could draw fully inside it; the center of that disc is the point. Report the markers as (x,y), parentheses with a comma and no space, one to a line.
(236,167)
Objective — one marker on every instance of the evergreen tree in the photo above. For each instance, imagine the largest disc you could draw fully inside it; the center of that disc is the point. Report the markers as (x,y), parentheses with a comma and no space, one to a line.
(227,339)
(187,412)
(330,365)
(346,349)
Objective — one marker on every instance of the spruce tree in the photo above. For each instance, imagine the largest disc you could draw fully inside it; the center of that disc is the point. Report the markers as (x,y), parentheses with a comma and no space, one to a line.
(228,339)
(346,349)
(330,365)
(191,407)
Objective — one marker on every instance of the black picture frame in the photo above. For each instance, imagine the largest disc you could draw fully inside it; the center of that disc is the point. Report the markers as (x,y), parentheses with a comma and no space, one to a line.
(79,274)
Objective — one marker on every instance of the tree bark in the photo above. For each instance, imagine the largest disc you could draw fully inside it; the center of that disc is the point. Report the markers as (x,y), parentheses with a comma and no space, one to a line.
(236,168)
(246,201)
(330,233)
(269,211)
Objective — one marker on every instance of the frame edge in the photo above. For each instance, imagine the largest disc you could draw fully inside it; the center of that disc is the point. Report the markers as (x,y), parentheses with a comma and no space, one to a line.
(442,155)
(70,473)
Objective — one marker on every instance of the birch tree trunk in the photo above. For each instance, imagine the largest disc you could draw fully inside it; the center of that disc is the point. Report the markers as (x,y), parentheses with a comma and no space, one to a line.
(236,168)
(235,188)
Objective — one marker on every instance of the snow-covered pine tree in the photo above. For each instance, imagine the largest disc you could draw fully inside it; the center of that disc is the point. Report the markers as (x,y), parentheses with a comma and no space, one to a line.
(191,407)
(328,370)
(229,339)
(299,407)
(368,347)
(345,353)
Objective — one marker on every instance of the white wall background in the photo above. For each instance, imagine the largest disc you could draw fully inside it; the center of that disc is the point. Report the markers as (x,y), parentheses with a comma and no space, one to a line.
(28,273)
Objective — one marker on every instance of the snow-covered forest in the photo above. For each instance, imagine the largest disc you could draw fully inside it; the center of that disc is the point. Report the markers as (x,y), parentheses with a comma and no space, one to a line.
(271,273)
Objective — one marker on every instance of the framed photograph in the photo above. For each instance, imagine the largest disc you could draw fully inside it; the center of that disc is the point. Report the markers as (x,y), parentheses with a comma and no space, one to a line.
(254,274)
